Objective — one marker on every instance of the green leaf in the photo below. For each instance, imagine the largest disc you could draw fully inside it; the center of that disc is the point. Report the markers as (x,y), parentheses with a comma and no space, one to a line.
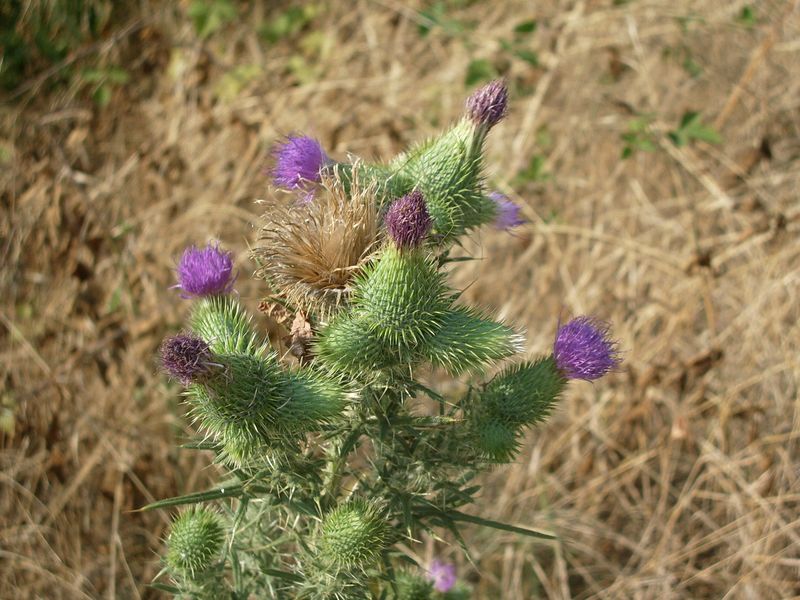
(225,491)
(529,56)
(747,16)
(209,16)
(465,518)
(691,128)
(526,26)
(479,70)
(102,96)
(287,23)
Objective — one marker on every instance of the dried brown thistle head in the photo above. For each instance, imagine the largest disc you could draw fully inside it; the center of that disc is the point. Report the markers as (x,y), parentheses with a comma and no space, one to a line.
(309,251)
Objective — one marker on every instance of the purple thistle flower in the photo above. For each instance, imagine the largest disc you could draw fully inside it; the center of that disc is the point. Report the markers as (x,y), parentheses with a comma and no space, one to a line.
(508,213)
(185,357)
(443,576)
(205,271)
(298,162)
(584,349)
(408,220)
(487,105)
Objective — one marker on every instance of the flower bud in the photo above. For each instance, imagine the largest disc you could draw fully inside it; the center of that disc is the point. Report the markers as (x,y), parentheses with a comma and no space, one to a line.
(408,221)
(185,357)
(496,440)
(489,104)
(413,587)
(524,394)
(353,535)
(194,541)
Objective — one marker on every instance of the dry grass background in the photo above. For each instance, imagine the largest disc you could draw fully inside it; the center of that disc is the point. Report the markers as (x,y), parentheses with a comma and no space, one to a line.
(676,478)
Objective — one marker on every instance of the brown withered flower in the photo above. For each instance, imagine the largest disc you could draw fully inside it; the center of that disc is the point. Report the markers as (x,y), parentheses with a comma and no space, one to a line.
(309,250)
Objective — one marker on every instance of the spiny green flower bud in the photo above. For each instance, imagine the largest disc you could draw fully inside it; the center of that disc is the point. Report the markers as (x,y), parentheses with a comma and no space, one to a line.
(403,296)
(524,394)
(496,440)
(353,535)
(225,326)
(413,587)
(251,400)
(194,541)
(467,340)
(448,172)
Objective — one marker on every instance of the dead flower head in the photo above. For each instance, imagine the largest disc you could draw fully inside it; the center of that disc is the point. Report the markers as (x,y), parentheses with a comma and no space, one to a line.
(309,251)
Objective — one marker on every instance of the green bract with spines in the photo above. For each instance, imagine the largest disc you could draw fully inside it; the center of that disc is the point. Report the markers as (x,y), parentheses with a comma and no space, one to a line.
(448,172)
(353,535)
(496,440)
(402,296)
(387,181)
(194,541)
(225,326)
(524,394)
(467,339)
(413,587)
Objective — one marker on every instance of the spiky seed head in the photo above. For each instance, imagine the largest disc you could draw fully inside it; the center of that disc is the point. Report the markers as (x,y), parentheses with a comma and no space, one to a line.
(496,440)
(584,349)
(443,575)
(508,213)
(408,221)
(194,541)
(185,357)
(299,161)
(524,394)
(413,587)
(310,252)
(489,104)
(353,535)
(205,271)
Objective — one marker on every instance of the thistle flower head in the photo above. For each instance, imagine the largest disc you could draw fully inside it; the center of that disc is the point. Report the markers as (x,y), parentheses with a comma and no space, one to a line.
(185,357)
(487,105)
(443,576)
(583,349)
(408,221)
(312,251)
(298,162)
(508,213)
(205,271)
(195,539)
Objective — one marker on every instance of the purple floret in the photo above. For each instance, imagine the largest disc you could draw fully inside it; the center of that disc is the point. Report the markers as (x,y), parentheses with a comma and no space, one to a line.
(584,349)
(298,162)
(508,213)
(185,357)
(489,104)
(205,271)
(442,575)
(408,220)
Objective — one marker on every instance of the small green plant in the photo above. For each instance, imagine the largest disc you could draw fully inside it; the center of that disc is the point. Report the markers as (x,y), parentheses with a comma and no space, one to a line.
(209,16)
(638,137)
(691,128)
(36,33)
(343,456)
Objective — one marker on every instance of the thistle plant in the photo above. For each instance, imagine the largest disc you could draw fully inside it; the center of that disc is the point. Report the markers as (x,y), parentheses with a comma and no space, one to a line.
(339,455)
